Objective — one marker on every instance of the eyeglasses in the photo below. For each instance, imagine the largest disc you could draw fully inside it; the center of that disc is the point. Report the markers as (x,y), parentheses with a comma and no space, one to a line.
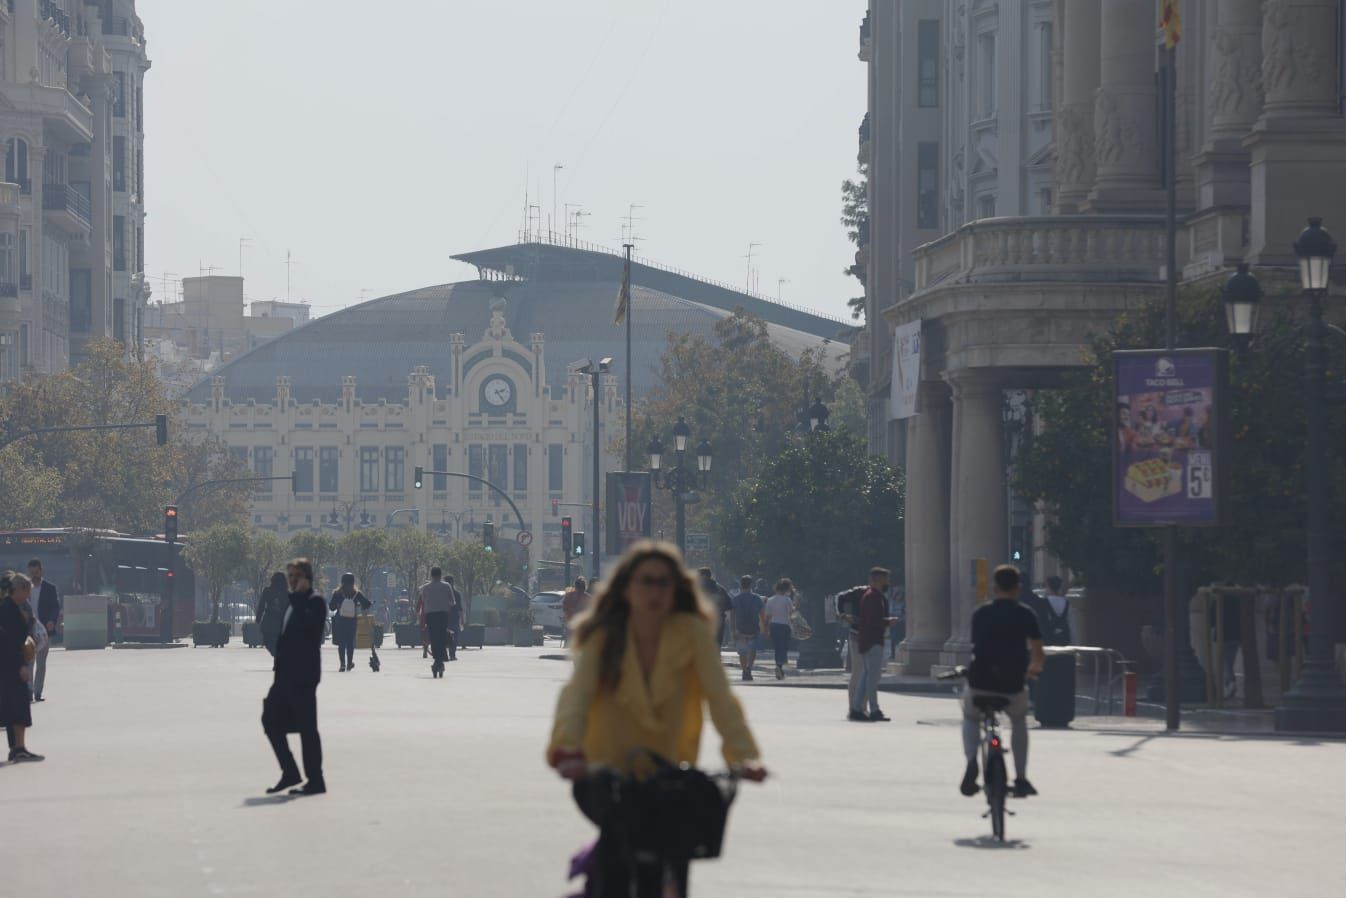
(651,582)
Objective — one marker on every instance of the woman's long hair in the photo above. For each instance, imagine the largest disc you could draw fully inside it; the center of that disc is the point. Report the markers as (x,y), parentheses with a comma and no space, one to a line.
(610,612)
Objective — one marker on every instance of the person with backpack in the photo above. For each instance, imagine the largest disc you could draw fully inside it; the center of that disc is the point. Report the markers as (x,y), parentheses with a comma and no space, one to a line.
(747,616)
(718,596)
(1053,693)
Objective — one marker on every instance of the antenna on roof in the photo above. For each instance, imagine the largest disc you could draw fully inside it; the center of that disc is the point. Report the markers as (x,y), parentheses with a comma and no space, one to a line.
(751,248)
(289,271)
(629,225)
(208,270)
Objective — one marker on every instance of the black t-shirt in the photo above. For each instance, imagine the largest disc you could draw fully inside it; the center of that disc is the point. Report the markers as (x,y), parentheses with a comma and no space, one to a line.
(1000,634)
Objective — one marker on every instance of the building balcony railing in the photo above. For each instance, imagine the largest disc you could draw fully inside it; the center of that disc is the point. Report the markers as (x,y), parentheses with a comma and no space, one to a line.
(52,13)
(1066,248)
(62,198)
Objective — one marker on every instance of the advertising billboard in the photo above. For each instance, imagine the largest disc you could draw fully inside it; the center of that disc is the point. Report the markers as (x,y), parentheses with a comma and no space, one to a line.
(1168,437)
(629,511)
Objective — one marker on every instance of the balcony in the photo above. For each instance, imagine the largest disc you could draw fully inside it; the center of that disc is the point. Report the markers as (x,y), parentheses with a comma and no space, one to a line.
(1048,249)
(866,39)
(52,13)
(121,26)
(67,209)
(865,133)
(69,119)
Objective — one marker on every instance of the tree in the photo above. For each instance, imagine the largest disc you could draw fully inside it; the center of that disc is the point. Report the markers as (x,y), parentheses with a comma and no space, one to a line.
(266,556)
(823,513)
(474,569)
(1067,467)
(319,548)
(219,556)
(363,551)
(32,491)
(855,218)
(412,551)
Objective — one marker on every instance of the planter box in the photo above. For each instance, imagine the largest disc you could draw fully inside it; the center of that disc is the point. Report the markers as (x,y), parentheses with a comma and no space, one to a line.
(407,635)
(206,633)
(498,636)
(252,634)
(86,622)
(472,635)
(523,637)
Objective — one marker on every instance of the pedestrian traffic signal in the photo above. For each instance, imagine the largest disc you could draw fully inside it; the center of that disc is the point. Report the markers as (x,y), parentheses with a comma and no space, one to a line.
(171,524)
(579,545)
(420,477)
(566,536)
(488,536)
(161,429)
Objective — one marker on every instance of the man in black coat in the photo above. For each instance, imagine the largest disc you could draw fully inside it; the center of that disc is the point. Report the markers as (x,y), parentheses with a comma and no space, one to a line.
(47,606)
(292,704)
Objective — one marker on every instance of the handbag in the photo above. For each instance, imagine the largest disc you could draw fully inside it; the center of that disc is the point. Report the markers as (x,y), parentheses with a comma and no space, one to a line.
(678,813)
(799,626)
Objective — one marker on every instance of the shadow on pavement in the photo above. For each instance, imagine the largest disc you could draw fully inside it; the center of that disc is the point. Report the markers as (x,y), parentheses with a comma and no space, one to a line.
(993,843)
(263,801)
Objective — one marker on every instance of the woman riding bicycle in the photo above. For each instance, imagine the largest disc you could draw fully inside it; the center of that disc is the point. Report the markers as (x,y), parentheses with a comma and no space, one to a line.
(646,662)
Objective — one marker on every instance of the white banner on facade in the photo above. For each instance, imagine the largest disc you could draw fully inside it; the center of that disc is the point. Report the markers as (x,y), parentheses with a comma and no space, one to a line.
(906,370)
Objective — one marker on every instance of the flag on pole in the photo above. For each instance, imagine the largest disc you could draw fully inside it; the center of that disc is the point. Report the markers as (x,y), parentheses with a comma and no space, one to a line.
(623,298)
(1170,19)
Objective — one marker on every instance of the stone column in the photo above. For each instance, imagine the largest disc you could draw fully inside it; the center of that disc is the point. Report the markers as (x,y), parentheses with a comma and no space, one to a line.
(927,530)
(1234,99)
(1298,145)
(1125,145)
(1075,118)
(980,512)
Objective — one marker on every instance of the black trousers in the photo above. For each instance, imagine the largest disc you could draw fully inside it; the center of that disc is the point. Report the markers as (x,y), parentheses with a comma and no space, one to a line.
(614,871)
(437,622)
(780,641)
(290,709)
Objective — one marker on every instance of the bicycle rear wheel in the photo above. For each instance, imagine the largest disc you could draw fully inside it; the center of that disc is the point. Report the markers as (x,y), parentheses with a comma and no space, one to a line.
(996,788)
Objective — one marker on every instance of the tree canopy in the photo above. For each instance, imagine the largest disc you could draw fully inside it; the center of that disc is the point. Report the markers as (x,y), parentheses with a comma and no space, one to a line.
(364,551)
(319,548)
(219,555)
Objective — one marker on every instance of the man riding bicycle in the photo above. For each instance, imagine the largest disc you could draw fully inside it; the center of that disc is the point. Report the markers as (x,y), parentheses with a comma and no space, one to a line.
(1003,634)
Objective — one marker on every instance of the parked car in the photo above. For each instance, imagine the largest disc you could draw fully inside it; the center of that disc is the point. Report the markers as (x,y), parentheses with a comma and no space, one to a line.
(546,608)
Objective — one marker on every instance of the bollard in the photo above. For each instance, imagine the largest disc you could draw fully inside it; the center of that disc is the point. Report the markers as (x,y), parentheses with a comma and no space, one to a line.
(1129,693)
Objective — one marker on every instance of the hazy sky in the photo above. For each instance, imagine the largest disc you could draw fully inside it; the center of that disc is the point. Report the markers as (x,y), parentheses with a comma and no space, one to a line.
(374,140)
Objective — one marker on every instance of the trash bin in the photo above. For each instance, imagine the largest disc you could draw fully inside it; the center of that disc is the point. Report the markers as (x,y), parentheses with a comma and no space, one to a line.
(1054,694)
(86,622)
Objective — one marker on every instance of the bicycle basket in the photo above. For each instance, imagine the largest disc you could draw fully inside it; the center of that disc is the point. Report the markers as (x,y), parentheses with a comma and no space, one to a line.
(679,813)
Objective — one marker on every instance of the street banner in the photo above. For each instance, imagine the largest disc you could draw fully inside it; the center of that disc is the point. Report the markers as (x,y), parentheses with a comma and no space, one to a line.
(906,370)
(1168,437)
(629,511)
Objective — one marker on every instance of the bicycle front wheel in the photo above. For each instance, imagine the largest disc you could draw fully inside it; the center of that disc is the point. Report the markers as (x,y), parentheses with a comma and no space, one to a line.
(996,789)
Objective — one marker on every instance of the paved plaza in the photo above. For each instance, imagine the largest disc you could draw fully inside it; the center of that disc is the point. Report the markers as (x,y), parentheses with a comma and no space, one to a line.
(156,768)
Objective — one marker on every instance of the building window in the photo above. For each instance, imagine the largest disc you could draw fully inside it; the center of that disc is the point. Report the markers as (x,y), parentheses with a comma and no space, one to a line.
(119,243)
(520,467)
(16,164)
(7,260)
(1045,201)
(475,467)
(369,469)
(119,320)
(303,470)
(240,454)
(81,298)
(499,466)
(140,107)
(394,469)
(986,206)
(927,185)
(263,464)
(119,164)
(25,273)
(329,469)
(927,62)
(119,94)
(986,76)
(440,455)
(1045,65)
(555,467)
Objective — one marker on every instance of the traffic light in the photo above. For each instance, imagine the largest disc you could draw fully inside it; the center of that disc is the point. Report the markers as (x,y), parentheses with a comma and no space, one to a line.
(420,477)
(488,536)
(171,524)
(579,545)
(566,532)
(161,429)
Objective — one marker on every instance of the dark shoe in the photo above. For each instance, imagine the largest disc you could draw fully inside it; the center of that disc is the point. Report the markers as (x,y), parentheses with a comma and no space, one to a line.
(311,788)
(1023,789)
(23,755)
(746,676)
(780,672)
(38,698)
(343,669)
(286,781)
(969,785)
(858,717)
(879,717)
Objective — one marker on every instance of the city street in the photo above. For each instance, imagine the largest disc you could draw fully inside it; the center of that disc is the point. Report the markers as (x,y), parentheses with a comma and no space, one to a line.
(156,766)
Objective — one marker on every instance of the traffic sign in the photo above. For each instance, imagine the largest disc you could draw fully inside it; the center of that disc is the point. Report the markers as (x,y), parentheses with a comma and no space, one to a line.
(698,542)
(525,538)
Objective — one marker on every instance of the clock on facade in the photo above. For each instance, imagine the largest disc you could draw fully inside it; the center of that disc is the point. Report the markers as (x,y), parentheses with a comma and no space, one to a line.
(497,393)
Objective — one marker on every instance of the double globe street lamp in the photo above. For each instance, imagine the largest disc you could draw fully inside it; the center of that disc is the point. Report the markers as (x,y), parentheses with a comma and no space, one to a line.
(679,479)
(1317,701)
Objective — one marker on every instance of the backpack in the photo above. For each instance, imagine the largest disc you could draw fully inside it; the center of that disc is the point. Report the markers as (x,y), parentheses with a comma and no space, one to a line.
(1055,627)
(747,621)
(848,602)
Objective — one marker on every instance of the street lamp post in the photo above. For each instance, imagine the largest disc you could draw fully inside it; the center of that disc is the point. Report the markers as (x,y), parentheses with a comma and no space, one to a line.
(594,369)
(348,506)
(1317,701)
(679,480)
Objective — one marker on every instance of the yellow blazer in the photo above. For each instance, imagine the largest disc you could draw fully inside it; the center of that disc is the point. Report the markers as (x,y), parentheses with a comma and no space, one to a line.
(665,716)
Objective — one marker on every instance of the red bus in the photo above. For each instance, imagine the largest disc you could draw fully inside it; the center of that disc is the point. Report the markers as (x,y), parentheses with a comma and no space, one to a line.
(146,578)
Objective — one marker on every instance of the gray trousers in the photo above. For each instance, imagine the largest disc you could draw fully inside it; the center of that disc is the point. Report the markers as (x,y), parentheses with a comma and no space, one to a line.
(866,668)
(40,670)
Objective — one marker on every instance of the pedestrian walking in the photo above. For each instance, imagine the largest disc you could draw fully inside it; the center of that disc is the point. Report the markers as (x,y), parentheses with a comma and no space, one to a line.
(437,597)
(271,605)
(347,603)
(456,613)
(718,596)
(646,668)
(46,603)
(17,653)
(776,621)
(897,611)
(747,613)
(292,704)
(574,602)
(867,654)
